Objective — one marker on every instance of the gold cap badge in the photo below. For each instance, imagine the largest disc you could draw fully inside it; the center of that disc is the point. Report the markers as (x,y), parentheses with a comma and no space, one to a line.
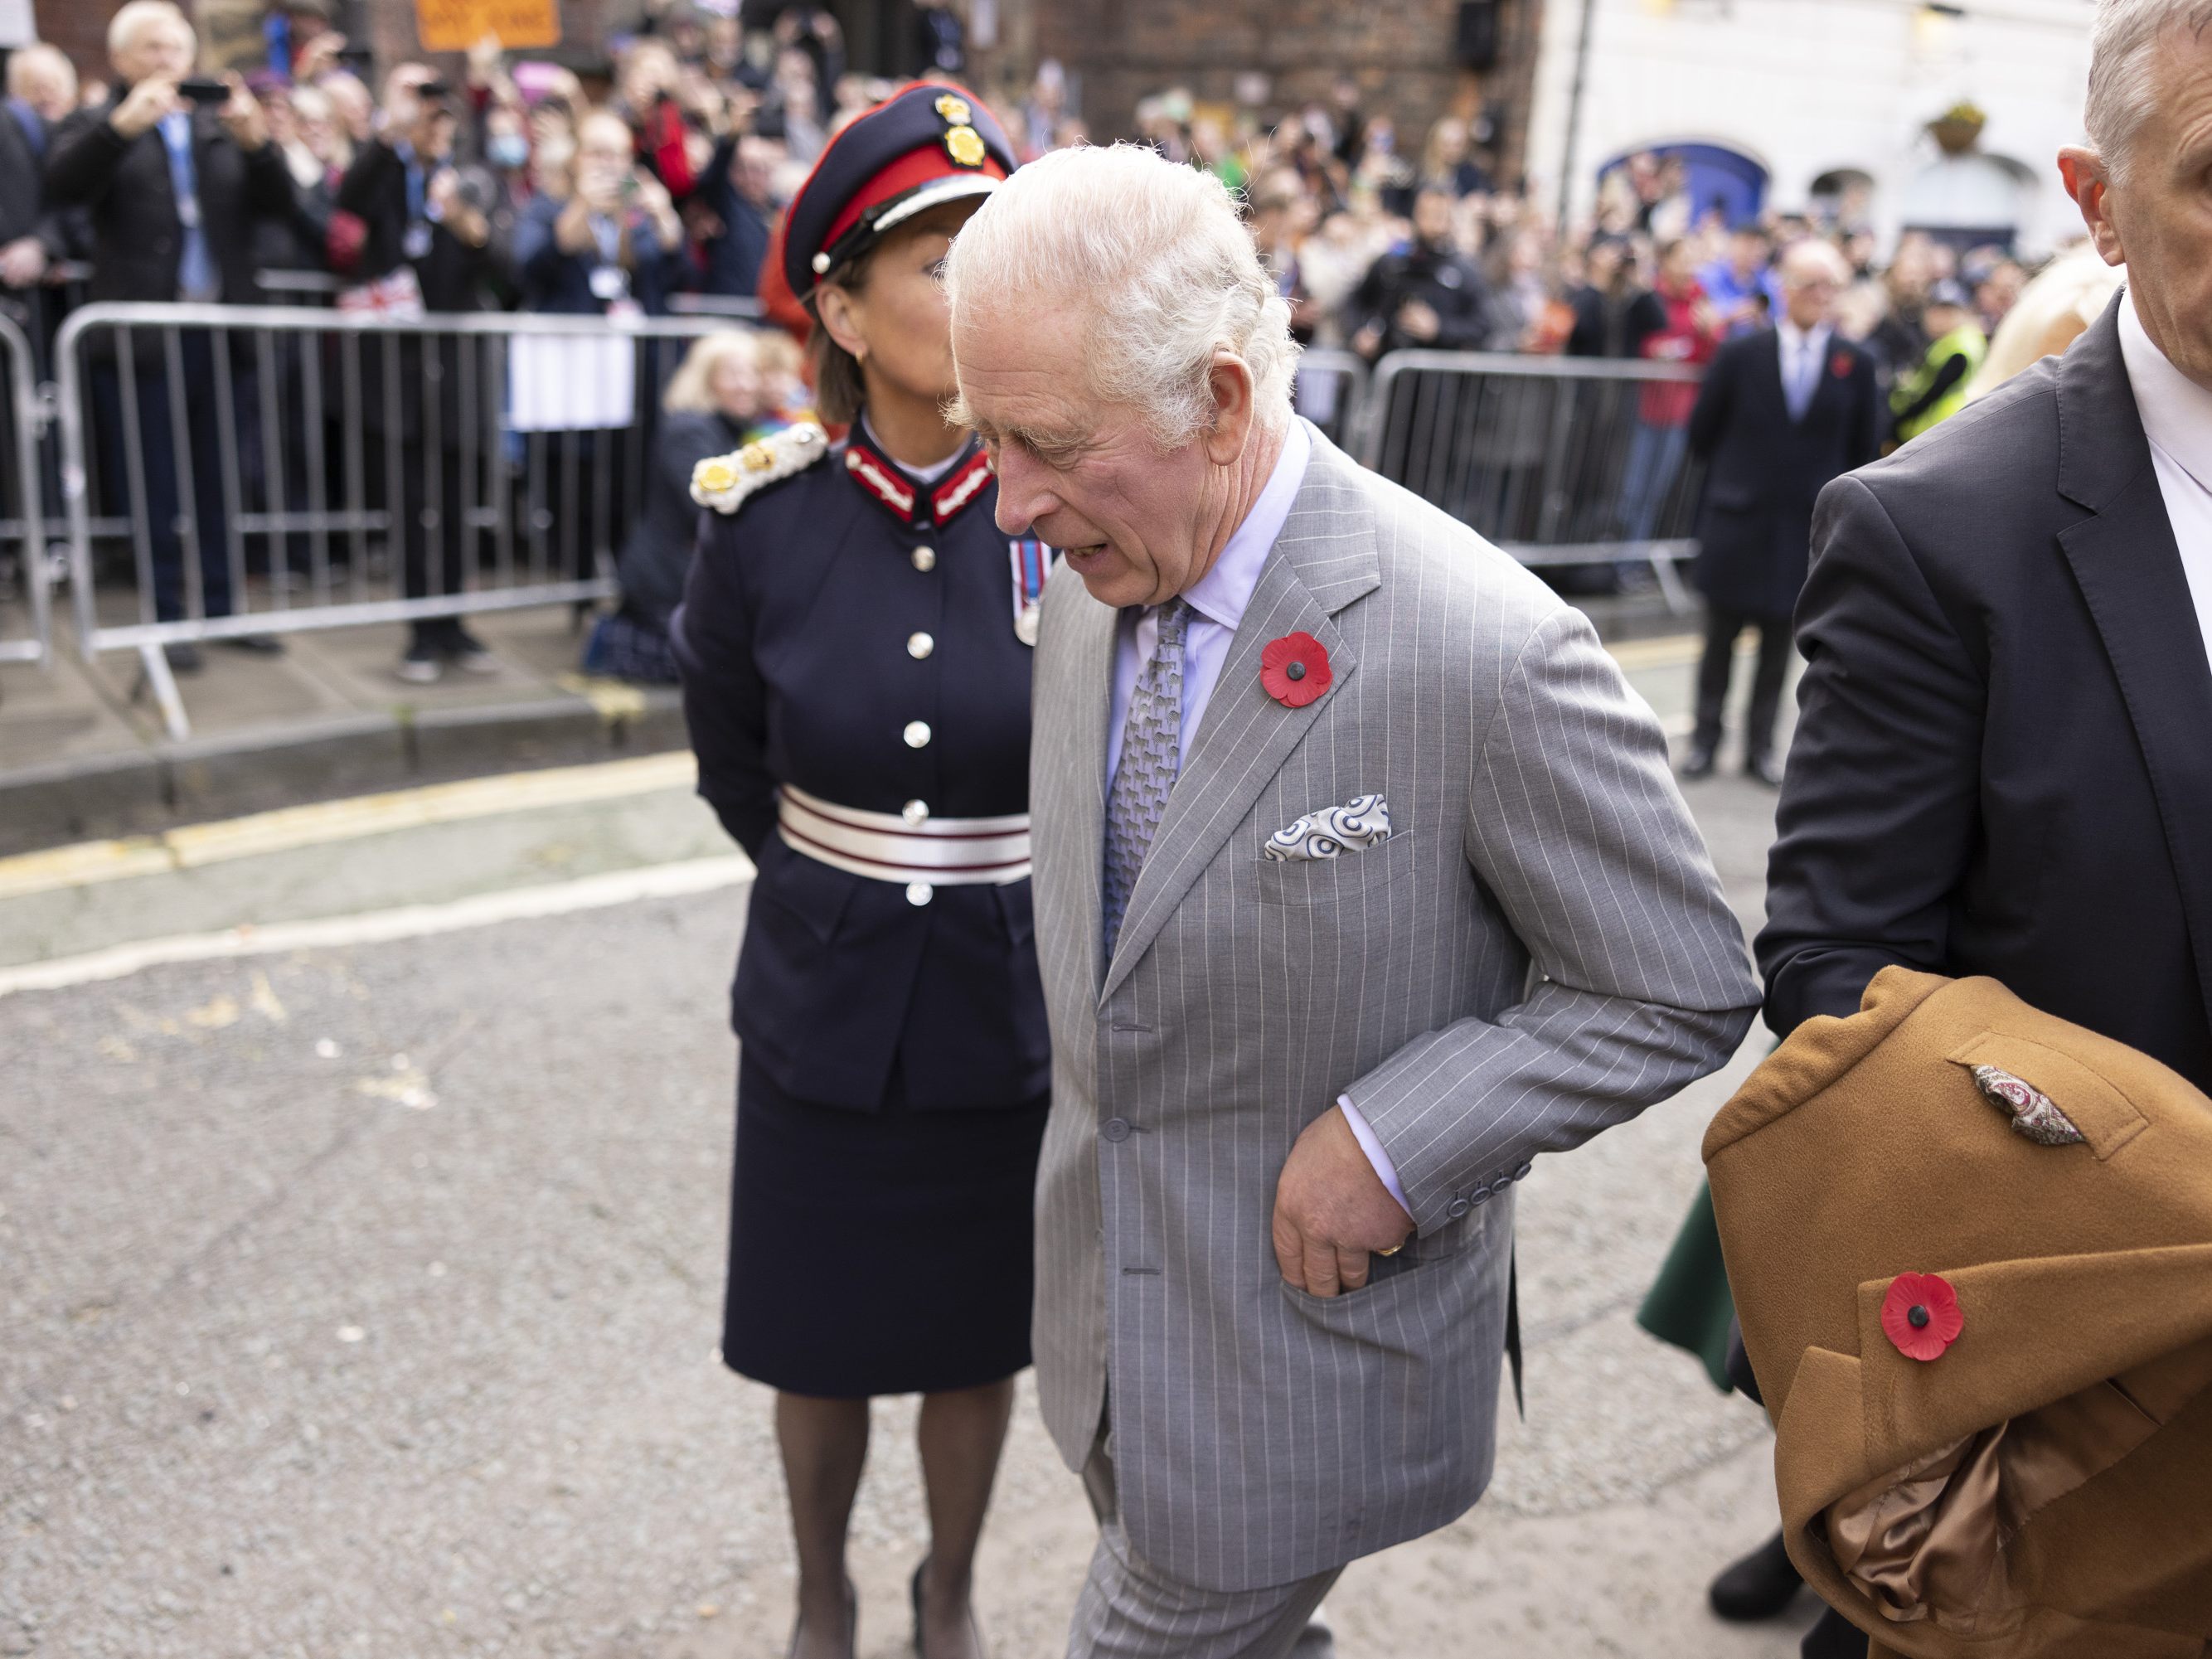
(965,146)
(955,110)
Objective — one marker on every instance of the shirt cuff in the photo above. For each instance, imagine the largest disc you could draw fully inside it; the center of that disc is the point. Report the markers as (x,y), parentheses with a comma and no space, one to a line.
(1368,1143)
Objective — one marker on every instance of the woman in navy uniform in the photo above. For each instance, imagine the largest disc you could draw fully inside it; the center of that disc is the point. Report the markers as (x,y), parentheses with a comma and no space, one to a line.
(855,642)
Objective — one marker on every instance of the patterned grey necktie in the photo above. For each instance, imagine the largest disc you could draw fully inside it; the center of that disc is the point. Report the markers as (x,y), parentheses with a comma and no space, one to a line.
(1152,754)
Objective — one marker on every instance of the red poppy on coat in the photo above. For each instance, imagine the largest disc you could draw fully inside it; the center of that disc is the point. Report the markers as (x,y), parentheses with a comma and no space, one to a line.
(1921,1315)
(1295,670)
(1840,365)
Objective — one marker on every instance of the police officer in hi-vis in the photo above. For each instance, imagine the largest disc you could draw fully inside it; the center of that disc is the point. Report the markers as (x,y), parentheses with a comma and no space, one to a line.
(855,640)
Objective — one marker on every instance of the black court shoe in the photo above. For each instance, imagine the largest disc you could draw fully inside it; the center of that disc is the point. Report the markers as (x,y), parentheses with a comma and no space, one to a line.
(1697,764)
(914,1591)
(1761,1586)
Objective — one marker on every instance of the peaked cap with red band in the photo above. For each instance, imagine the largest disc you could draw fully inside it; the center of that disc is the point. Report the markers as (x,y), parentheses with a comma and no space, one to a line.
(927,143)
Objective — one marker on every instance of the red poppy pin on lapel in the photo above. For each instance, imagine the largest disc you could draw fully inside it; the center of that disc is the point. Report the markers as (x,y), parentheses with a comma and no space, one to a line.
(1921,1315)
(1294,670)
(1840,366)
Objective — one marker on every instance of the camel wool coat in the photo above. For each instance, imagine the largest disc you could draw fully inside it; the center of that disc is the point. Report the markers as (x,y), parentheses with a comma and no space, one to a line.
(2041,1486)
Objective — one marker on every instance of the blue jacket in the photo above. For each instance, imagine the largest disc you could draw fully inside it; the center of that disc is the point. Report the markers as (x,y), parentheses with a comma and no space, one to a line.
(795,641)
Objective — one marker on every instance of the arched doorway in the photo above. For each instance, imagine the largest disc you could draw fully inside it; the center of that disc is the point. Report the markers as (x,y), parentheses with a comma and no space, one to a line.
(1719,177)
(1843,196)
(1974,200)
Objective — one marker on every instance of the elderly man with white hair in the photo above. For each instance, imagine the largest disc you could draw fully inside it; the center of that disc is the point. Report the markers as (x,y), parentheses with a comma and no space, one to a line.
(1360,882)
(2003,761)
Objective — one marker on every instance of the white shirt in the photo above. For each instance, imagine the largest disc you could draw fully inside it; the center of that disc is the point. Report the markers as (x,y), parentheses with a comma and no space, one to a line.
(1802,352)
(1217,601)
(2177,418)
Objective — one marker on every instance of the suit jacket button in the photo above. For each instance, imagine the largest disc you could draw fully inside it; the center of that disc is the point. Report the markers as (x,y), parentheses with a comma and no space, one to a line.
(919,646)
(1480,1194)
(1115,1129)
(919,893)
(924,558)
(917,734)
(1458,1208)
(1521,1173)
(916,811)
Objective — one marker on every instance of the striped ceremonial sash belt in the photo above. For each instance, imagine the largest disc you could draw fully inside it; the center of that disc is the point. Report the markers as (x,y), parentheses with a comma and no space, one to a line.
(886,847)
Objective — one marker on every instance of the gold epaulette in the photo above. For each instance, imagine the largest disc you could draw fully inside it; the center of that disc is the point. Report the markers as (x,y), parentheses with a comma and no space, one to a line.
(723,482)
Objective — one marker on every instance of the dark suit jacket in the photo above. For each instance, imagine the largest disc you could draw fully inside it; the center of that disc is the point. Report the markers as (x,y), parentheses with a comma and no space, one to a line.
(2003,764)
(125,182)
(1763,471)
(24,210)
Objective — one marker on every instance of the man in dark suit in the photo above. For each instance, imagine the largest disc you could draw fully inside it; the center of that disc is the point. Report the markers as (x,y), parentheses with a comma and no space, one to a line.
(2003,761)
(426,228)
(31,233)
(172,191)
(1781,412)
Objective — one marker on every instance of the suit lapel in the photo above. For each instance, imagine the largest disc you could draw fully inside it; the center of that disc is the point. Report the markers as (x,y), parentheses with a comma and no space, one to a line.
(2128,565)
(1082,651)
(1323,560)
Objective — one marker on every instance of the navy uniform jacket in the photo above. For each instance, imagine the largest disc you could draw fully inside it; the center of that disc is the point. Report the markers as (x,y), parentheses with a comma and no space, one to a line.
(797,640)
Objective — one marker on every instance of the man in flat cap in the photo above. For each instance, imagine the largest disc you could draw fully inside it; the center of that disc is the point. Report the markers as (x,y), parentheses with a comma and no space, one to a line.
(1360,882)
(2003,762)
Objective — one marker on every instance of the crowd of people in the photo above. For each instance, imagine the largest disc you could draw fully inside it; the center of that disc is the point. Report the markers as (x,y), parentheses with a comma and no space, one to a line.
(520,185)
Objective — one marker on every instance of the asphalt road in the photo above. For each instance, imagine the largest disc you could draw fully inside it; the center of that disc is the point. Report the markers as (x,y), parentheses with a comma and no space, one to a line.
(360,1295)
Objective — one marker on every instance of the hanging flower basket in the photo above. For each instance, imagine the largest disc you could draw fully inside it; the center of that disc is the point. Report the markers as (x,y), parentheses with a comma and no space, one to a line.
(1957,129)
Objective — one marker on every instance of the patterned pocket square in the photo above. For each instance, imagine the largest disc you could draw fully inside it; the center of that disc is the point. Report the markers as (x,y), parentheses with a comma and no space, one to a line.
(1359,824)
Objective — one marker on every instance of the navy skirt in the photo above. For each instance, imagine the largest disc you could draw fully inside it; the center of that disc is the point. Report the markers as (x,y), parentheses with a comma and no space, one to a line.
(884,1252)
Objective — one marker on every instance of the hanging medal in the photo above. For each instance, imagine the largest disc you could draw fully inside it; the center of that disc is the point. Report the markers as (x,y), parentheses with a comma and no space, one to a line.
(1032,562)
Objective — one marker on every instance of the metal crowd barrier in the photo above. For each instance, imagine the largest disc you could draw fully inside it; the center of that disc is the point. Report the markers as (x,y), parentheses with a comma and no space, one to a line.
(1559,460)
(1331,390)
(269,469)
(26,626)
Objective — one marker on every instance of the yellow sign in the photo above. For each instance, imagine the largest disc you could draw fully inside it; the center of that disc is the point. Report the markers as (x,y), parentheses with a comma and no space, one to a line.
(457,25)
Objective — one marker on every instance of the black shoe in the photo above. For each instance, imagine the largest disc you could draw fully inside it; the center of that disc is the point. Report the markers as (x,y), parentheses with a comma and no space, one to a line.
(1763,769)
(914,1591)
(254,645)
(1697,764)
(467,653)
(184,658)
(1761,1586)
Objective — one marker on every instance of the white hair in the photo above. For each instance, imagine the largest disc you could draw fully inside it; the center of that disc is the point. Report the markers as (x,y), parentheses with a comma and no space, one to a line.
(124,27)
(2123,54)
(25,63)
(1164,264)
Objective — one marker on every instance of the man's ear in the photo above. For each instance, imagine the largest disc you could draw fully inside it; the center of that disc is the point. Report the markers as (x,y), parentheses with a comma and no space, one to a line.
(2088,182)
(1229,380)
(835,307)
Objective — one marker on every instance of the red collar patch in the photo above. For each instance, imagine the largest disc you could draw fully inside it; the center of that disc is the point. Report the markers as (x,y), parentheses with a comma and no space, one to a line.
(913,503)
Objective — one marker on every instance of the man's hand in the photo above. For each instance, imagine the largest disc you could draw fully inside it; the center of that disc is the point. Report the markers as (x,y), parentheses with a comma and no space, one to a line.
(149,101)
(1368,341)
(242,116)
(1419,320)
(22,262)
(1332,1209)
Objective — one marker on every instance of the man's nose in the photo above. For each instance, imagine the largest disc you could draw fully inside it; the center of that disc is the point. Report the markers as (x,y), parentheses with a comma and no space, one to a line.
(1023,494)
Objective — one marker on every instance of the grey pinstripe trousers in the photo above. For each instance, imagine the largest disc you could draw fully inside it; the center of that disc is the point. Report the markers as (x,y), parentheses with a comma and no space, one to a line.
(1130,1609)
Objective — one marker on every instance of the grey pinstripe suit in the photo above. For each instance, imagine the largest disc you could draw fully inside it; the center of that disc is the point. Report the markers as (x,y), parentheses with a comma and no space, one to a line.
(1539,950)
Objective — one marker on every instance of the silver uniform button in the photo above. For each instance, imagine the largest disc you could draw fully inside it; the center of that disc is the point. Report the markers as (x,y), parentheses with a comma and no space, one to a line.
(924,558)
(919,646)
(920,892)
(916,811)
(917,734)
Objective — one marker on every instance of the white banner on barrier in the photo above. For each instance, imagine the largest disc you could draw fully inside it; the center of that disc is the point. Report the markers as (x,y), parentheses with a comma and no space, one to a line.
(558,383)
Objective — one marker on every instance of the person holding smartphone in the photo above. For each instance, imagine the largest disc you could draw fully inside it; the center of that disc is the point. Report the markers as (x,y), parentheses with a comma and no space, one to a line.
(173,169)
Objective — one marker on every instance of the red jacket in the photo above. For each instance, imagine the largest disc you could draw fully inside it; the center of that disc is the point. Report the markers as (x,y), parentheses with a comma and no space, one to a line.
(1682,340)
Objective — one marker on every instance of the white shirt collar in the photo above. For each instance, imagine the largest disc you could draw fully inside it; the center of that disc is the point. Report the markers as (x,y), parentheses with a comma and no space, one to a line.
(1797,339)
(1223,593)
(2176,411)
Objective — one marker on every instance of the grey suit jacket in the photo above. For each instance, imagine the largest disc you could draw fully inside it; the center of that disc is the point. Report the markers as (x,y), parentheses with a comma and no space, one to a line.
(1539,948)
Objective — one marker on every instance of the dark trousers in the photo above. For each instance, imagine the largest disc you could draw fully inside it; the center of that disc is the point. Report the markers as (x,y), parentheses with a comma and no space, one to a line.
(1722,626)
(1834,1637)
(172,459)
(430,538)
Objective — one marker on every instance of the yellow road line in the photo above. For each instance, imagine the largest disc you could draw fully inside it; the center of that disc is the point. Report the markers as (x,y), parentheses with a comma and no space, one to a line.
(325,822)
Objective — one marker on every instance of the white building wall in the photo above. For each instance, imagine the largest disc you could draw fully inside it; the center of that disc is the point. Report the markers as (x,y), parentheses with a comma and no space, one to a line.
(1806,87)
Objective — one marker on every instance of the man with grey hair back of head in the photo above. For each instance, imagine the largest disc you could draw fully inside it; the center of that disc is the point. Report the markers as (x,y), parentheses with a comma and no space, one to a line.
(1360,880)
(2002,764)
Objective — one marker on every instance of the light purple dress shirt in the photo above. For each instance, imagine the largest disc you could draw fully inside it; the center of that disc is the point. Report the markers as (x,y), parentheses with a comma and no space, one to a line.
(1216,603)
